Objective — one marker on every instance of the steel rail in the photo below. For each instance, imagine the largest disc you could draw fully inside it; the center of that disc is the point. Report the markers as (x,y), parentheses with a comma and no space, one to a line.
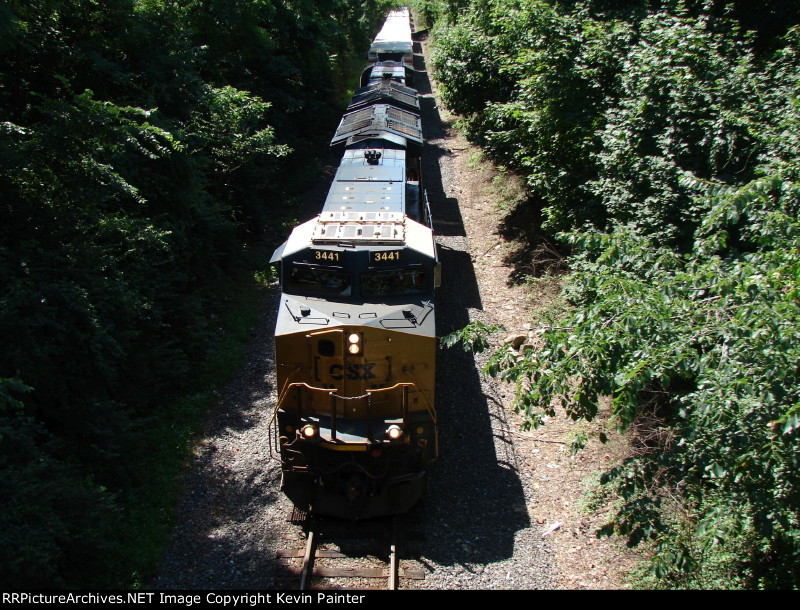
(308,559)
(393,560)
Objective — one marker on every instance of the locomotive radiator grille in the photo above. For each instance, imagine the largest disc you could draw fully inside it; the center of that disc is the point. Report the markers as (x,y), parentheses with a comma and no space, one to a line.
(403,128)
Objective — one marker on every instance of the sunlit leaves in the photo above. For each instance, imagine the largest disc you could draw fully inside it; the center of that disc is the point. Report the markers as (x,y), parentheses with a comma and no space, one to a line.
(667,150)
(233,124)
(473,337)
(712,337)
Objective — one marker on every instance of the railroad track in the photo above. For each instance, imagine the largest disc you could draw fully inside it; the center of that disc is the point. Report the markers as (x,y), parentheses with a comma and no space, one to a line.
(351,555)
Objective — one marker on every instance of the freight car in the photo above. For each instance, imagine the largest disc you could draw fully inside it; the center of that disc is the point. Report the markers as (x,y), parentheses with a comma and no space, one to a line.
(355,339)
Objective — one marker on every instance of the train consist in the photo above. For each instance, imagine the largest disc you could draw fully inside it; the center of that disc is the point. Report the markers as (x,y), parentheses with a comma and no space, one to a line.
(355,339)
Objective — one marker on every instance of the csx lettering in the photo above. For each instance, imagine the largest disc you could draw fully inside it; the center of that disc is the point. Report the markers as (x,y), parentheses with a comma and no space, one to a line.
(354,371)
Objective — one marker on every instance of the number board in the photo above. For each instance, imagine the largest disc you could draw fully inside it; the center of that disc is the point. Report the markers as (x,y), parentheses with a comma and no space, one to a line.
(327,257)
(386,256)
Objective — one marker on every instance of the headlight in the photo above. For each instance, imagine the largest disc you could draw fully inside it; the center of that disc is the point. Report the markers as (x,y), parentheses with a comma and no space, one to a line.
(354,344)
(308,431)
(394,432)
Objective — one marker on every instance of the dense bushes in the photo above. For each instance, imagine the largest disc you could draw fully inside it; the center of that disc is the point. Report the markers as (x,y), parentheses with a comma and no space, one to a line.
(142,144)
(664,144)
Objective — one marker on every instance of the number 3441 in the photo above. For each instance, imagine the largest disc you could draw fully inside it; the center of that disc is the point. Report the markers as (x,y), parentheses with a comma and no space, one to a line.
(330,257)
(383,257)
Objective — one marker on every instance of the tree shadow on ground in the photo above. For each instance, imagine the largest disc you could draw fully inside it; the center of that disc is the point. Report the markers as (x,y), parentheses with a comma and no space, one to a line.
(534,252)
(476,501)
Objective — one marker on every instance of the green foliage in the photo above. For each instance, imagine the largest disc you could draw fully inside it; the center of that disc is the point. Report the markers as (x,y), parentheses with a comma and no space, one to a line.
(708,342)
(692,561)
(684,97)
(534,85)
(172,434)
(469,70)
(473,338)
(666,147)
(51,533)
(143,143)
(602,110)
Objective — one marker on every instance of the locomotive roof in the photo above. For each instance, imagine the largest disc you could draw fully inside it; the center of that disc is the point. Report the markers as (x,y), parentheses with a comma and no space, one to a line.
(383,92)
(365,207)
(406,233)
(395,35)
(360,186)
(376,120)
(387,70)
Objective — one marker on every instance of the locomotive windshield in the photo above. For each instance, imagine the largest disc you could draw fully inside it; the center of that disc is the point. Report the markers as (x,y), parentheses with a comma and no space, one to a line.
(311,280)
(394,282)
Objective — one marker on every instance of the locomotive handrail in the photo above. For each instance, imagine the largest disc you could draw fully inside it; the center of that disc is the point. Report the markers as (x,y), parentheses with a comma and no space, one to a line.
(428,404)
(333,390)
(294,385)
(282,393)
(431,413)
(281,398)
(428,209)
(395,386)
(406,385)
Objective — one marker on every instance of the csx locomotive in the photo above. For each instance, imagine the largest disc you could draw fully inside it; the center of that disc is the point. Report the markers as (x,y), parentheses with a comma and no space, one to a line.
(355,339)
